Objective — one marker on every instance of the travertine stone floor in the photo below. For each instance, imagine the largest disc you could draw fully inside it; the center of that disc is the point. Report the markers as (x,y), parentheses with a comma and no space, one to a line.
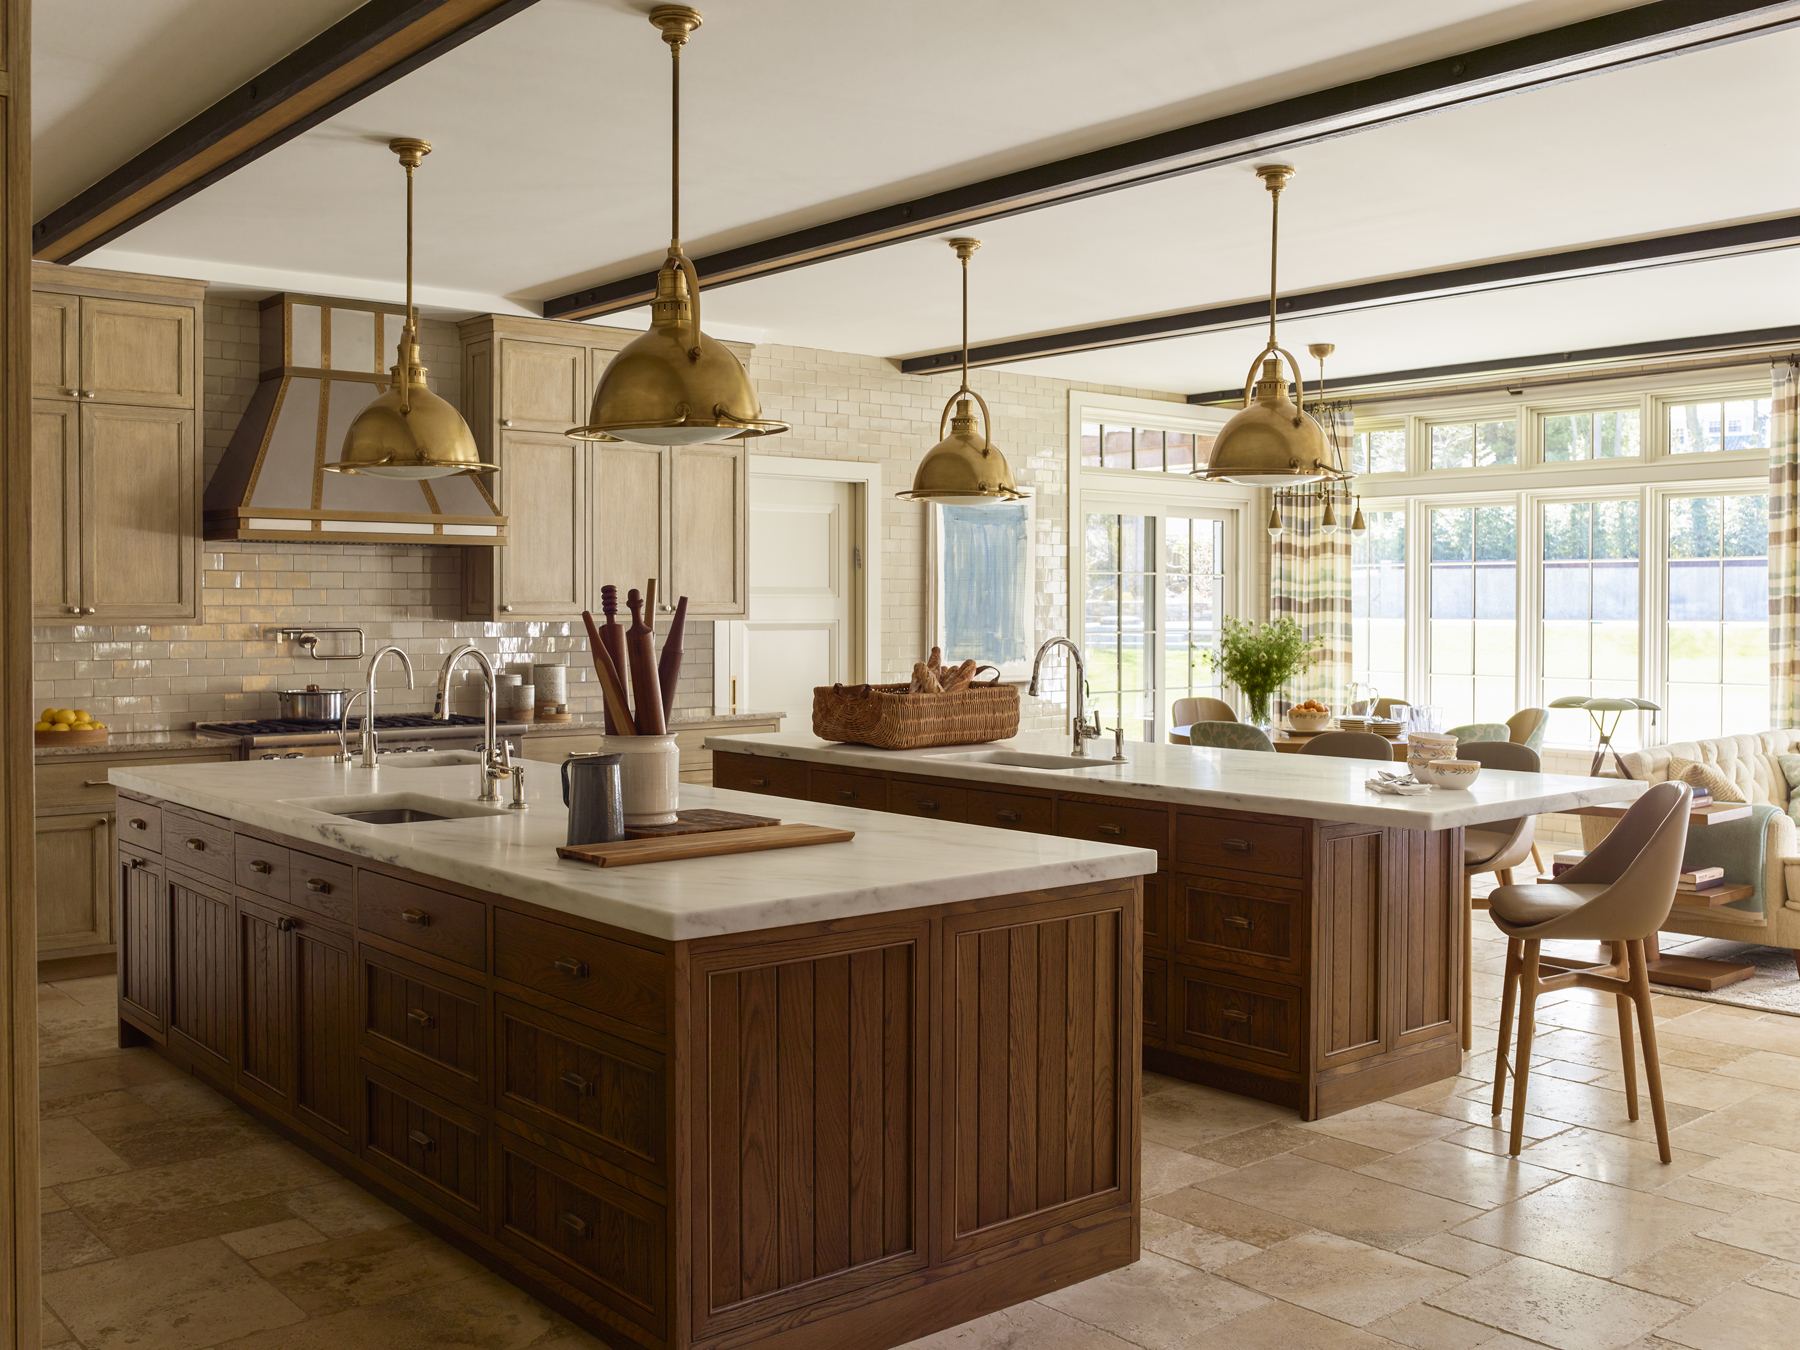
(173,1222)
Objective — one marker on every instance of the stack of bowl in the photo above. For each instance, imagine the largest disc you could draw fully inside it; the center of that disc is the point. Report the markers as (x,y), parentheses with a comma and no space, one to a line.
(1424,746)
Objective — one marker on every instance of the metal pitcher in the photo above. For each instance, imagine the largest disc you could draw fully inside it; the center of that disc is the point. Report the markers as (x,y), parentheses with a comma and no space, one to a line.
(595,796)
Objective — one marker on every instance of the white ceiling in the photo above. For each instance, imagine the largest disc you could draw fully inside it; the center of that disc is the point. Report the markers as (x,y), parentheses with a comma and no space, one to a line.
(550,168)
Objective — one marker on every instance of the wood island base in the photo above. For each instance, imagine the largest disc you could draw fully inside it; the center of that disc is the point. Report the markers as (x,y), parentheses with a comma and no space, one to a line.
(845,1134)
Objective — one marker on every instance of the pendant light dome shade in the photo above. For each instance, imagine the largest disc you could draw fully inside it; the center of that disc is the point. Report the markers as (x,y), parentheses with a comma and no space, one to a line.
(407,431)
(675,385)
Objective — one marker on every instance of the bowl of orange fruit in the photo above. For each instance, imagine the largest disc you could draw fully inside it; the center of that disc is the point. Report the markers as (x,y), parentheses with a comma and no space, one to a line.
(1311,715)
(68,726)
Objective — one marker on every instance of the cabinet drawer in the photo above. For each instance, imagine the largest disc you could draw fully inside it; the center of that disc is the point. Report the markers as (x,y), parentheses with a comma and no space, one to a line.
(1238,922)
(140,824)
(433,921)
(421,1016)
(1238,1018)
(1156,912)
(324,887)
(609,977)
(438,1149)
(1114,823)
(759,773)
(1156,1000)
(74,783)
(261,866)
(1011,811)
(843,788)
(202,843)
(606,1093)
(932,801)
(1242,845)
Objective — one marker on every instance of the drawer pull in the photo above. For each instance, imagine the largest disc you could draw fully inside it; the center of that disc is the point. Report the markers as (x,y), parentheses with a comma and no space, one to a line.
(574,1223)
(848,794)
(422,1139)
(926,804)
(576,1083)
(1235,845)
(1011,817)
(285,924)
(95,782)
(1235,1015)
(1110,829)
(758,782)
(418,916)
(422,1017)
(318,885)
(197,845)
(1237,920)
(137,863)
(568,965)
(137,823)
(258,865)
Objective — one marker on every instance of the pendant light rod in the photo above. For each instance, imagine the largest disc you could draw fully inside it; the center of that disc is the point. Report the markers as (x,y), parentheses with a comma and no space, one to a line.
(412,152)
(1274,178)
(964,248)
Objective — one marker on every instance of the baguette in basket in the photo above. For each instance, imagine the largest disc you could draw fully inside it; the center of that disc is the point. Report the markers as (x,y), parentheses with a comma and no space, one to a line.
(939,707)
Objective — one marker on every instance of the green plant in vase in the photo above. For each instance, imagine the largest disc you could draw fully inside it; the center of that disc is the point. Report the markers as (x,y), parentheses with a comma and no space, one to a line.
(1261,657)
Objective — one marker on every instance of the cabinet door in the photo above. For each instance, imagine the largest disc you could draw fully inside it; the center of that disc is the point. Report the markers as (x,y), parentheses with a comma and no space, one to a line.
(74,882)
(707,487)
(542,571)
(137,353)
(55,346)
(325,1028)
(630,509)
(139,525)
(265,1002)
(201,983)
(543,386)
(55,510)
(143,930)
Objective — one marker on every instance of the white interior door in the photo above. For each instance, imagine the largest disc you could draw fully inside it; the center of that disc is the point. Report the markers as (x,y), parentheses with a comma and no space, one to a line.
(801,625)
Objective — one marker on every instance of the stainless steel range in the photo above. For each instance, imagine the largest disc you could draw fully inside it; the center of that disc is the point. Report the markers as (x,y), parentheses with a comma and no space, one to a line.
(396,734)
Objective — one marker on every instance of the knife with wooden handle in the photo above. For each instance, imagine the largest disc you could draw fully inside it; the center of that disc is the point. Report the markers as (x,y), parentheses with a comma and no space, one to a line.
(612,685)
(668,665)
(612,638)
(640,654)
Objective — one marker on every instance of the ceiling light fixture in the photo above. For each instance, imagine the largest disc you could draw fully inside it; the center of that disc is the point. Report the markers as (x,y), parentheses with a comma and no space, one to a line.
(675,385)
(406,431)
(1273,442)
(964,468)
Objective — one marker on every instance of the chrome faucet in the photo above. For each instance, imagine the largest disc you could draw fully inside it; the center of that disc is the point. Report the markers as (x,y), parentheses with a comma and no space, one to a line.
(1083,733)
(496,759)
(368,725)
(343,754)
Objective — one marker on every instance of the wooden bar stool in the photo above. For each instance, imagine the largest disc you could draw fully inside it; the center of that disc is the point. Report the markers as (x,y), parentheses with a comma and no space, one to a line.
(1619,894)
(1497,847)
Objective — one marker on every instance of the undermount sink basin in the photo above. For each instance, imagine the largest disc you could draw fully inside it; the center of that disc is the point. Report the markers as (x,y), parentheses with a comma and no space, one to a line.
(397,808)
(434,759)
(1020,759)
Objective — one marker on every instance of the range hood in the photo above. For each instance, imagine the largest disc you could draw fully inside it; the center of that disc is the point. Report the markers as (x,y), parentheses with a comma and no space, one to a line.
(323,361)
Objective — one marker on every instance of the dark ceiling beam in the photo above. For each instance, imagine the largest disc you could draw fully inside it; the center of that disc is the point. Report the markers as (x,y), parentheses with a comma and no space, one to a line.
(1610,42)
(1745,341)
(364,52)
(1596,260)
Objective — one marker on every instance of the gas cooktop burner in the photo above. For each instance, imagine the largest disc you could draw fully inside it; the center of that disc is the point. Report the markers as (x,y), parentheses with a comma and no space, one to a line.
(311,726)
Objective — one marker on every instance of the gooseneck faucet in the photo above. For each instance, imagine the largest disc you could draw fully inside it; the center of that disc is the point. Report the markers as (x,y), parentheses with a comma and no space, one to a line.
(368,722)
(1083,733)
(496,759)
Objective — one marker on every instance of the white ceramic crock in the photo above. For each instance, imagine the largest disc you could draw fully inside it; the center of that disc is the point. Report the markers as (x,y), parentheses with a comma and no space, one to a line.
(650,776)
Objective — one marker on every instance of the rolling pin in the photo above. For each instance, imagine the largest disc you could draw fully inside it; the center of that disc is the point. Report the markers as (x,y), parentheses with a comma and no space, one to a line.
(668,665)
(612,637)
(640,654)
(612,684)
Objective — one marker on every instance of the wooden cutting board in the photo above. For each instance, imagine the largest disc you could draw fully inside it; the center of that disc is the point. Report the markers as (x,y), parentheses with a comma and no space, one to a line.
(700,820)
(634,851)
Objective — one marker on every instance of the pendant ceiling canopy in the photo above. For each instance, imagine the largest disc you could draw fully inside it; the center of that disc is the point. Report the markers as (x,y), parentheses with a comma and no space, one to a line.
(964,468)
(675,385)
(407,431)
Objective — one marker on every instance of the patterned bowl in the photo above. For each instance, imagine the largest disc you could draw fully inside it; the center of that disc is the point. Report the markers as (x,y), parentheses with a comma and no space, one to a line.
(1308,721)
(1453,773)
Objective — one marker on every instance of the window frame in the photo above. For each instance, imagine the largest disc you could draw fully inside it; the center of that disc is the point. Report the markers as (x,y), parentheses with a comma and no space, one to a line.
(1402,506)
(1656,411)
(1360,426)
(1536,412)
(1420,429)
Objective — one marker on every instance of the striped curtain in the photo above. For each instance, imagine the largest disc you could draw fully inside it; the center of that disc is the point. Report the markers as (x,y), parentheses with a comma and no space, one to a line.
(1309,576)
(1784,550)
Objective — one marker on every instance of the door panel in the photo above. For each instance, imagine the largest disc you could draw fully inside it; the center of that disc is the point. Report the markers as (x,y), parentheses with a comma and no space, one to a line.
(55,509)
(137,353)
(630,486)
(542,483)
(543,385)
(74,882)
(138,522)
(707,484)
(798,634)
(200,982)
(324,1029)
(55,346)
(144,942)
(266,1003)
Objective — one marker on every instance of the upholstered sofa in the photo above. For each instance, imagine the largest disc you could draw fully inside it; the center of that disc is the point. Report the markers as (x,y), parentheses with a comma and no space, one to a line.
(1750,763)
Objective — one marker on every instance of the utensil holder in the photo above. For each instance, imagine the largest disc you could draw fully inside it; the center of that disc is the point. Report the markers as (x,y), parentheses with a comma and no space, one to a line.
(651,773)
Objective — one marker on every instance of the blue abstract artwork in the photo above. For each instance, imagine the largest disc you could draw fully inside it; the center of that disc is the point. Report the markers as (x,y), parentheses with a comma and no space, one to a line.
(985,590)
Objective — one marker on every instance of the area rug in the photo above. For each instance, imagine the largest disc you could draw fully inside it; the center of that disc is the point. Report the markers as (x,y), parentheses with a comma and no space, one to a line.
(1774,988)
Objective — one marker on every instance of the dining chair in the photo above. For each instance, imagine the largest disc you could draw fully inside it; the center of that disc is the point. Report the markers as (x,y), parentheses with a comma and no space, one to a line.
(1229,736)
(1495,846)
(1350,745)
(1619,894)
(1185,710)
(1479,731)
(1527,726)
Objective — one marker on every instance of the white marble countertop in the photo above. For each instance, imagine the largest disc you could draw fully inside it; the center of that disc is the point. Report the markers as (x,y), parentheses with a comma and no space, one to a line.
(1314,787)
(894,863)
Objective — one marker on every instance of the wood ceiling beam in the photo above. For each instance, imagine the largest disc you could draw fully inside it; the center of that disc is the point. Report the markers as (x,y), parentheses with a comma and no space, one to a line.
(1595,260)
(364,52)
(1648,32)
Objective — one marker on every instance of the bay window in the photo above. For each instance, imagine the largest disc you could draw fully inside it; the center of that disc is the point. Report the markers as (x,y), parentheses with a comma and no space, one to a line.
(1473,633)
(1589,643)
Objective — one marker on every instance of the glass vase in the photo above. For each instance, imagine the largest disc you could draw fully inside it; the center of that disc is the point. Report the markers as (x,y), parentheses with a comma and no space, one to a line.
(1259,708)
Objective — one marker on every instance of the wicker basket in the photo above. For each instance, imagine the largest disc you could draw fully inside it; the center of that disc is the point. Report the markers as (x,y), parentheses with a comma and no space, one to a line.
(891,717)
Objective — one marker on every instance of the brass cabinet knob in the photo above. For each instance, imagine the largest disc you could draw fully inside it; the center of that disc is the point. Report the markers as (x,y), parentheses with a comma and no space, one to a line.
(258,865)
(318,885)
(506,421)
(506,609)
(568,965)
(418,916)
(422,1139)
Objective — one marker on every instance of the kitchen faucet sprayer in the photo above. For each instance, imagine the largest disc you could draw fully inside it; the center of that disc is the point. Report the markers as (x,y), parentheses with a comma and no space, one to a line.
(1083,733)
(368,723)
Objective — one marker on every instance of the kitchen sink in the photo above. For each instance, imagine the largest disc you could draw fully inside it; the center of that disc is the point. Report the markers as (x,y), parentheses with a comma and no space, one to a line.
(432,759)
(1020,759)
(397,808)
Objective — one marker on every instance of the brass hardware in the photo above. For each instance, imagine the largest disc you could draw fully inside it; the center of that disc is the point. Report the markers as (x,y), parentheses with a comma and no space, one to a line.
(963,468)
(422,1017)
(197,845)
(506,421)
(1236,920)
(759,782)
(95,782)
(926,804)
(285,924)
(734,696)
(1233,1015)
(318,885)
(1011,817)
(258,865)
(506,609)
(138,824)
(568,965)
(422,1139)
(574,1223)
(74,609)
(136,863)
(674,385)
(90,610)
(418,916)
(1110,829)
(577,1083)
(406,431)
(848,794)
(1235,845)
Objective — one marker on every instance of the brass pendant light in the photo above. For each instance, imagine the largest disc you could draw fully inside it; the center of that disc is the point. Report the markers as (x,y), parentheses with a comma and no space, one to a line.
(963,468)
(675,385)
(407,431)
(1273,442)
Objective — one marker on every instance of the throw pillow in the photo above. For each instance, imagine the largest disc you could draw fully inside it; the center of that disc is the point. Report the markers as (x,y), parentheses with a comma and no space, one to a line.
(1705,776)
(1790,769)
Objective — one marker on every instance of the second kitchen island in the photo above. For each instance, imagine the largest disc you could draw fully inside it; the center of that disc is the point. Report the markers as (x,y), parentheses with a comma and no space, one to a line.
(1303,936)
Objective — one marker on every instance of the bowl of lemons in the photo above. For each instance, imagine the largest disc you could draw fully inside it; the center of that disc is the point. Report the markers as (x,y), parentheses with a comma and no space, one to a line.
(68,726)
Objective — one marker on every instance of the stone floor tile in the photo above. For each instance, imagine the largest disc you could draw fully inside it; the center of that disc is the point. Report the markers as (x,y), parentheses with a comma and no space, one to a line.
(1282,1326)
(179,1298)
(120,1070)
(67,1242)
(1771,1117)
(1254,1144)
(1760,1066)
(183,1097)
(1456,1253)
(51,1330)
(338,1208)
(1691,1087)
(161,1141)
(1482,1129)
(189,1225)
(1244,1223)
(1434,1092)
(1612,1158)
(69,1152)
(1187,1114)
(58,1048)
(124,1113)
(96,991)
(1575,1073)
(1781,1276)
(1588,1226)
(1558,1307)
(1758,1168)
(1767,1225)
(1596,1107)
(1706,1194)
(1693,1270)
(1464,1174)
(1341,1152)
(1363,1208)
(77,1103)
(50,1200)
(1427,1328)
(247,1173)
(1155,1303)
(1345,1280)
(366,1268)
(1742,1318)
(270,1238)
(1027,1326)
(1385,1126)
(1166,1169)
(1198,1247)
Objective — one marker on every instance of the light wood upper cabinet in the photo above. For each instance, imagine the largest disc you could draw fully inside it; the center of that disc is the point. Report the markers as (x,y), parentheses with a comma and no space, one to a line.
(55,508)
(139,476)
(543,386)
(543,492)
(55,346)
(74,890)
(707,553)
(630,515)
(137,353)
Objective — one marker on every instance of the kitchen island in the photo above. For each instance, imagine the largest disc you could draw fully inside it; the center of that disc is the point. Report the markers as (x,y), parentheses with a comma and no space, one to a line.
(834,1096)
(1303,935)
